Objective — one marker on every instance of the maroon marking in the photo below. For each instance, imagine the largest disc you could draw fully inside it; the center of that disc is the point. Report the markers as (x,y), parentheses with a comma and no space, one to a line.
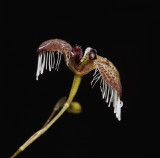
(54,45)
(111,77)
(76,54)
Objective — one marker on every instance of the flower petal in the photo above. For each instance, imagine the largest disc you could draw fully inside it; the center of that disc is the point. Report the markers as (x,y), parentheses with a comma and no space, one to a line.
(109,74)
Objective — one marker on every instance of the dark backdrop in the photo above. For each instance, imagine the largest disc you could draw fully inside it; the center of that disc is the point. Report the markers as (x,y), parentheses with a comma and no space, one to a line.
(126,34)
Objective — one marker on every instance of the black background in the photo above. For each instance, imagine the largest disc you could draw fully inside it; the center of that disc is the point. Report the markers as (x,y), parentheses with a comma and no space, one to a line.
(126,34)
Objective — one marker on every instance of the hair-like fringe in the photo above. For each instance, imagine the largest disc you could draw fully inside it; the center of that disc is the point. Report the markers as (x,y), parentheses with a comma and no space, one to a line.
(108,93)
(48,60)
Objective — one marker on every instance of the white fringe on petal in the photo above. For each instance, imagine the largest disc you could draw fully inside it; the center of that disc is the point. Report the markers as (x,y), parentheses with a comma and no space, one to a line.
(108,93)
(47,60)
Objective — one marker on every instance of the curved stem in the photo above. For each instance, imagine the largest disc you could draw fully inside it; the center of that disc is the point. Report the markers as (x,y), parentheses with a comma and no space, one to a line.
(73,91)
(58,105)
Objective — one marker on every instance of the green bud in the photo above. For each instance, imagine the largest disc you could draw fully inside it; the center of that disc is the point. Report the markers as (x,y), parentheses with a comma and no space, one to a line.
(75,108)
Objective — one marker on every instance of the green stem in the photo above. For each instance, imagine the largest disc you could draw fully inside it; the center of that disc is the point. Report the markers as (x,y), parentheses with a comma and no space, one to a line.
(58,105)
(73,91)
(75,86)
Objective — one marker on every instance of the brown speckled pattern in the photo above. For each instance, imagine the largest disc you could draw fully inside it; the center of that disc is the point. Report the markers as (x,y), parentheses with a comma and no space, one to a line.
(54,45)
(108,71)
(109,74)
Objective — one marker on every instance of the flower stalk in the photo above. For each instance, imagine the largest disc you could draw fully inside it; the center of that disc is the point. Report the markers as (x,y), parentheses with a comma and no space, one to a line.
(80,64)
(73,91)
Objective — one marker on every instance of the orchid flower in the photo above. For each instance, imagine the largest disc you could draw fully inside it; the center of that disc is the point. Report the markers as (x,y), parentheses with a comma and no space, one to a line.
(49,57)
(80,64)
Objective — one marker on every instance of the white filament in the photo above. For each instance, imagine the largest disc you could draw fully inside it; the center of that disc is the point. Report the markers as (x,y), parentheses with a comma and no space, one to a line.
(108,94)
(38,67)
(96,77)
(47,59)
(58,61)
(53,57)
(43,63)
(111,98)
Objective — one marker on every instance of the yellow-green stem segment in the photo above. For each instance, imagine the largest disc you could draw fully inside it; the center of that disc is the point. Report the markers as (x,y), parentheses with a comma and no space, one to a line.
(73,91)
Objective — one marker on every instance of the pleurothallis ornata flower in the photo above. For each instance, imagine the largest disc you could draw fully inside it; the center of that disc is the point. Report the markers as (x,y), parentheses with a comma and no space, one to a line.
(80,64)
